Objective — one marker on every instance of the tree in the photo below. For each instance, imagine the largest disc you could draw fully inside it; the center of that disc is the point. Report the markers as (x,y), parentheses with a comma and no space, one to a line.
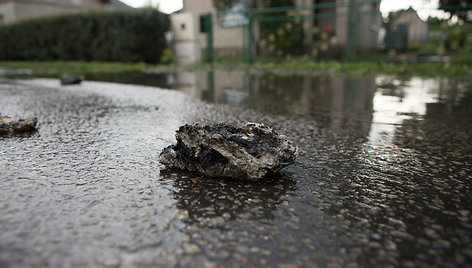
(460,8)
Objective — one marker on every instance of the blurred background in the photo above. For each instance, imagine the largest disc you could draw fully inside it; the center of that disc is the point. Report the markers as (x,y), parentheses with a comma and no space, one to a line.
(246,31)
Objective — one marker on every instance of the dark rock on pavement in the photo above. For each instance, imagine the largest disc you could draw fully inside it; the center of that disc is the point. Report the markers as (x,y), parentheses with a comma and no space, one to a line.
(70,79)
(223,150)
(8,127)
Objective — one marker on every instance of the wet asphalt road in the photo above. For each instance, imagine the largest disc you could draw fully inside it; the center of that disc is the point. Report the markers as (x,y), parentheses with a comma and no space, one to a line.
(87,189)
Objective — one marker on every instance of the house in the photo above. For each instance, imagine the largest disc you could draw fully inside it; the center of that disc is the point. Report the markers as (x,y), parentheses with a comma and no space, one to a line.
(15,10)
(417,29)
(230,31)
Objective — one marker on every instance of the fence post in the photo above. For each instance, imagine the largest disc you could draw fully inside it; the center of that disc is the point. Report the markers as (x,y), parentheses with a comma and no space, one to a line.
(351,39)
(211,85)
(208,23)
(250,41)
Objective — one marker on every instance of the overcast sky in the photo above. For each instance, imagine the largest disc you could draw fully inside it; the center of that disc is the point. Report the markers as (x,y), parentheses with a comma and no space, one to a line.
(166,6)
(425,7)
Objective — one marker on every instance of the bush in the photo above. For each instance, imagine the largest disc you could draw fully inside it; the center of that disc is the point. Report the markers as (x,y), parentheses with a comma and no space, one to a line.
(167,56)
(455,37)
(429,49)
(123,35)
(282,38)
(464,55)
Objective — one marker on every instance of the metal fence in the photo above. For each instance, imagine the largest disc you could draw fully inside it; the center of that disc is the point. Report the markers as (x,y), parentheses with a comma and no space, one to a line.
(332,30)
(335,30)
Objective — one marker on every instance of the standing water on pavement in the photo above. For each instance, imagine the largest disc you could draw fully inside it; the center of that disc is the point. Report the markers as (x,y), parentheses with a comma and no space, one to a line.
(383,175)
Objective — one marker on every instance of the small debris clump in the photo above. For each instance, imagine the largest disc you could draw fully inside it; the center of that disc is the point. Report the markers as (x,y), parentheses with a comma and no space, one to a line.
(8,127)
(223,150)
(70,79)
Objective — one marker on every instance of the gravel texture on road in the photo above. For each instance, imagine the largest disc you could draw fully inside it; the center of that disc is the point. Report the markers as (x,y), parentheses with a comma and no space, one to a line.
(87,189)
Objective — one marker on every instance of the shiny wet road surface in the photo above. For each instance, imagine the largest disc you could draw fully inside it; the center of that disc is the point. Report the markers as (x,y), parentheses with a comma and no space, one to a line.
(383,177)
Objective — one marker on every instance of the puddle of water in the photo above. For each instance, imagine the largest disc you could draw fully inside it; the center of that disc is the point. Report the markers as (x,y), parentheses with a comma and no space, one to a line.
(87,190)
(386,109)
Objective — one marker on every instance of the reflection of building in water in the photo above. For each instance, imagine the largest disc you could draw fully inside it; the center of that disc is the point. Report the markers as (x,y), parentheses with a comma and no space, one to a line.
(342,100)
(352,103)
(234,96)
(187,82)
(218,86)
(392,106)
(339,103)
(444,125)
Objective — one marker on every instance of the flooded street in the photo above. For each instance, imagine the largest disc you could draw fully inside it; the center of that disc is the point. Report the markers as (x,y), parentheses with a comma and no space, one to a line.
(383,177)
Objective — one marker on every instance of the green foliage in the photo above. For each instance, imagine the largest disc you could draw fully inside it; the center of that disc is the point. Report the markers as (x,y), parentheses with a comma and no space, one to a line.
(365,67)
(167,56)
(464,55)
(124,35)
(56,68)
(455,37)
(459,67)
(460,8)
(282,37)
(429,49)
(444,38)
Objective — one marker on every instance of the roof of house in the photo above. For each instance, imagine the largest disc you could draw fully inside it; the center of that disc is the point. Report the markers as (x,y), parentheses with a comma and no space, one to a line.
(406,12)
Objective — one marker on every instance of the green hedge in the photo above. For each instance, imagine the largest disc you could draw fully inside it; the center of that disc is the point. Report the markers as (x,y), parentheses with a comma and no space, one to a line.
(125,35)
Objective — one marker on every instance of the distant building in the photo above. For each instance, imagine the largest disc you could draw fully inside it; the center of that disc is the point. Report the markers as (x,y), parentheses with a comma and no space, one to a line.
(227,38)
(417,29)
(15,10)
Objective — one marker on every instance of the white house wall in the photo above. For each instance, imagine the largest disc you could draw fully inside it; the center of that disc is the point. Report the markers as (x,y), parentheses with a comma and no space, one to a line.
(417,28)
(369,26)
(24,9)
(7,11)
(33,10)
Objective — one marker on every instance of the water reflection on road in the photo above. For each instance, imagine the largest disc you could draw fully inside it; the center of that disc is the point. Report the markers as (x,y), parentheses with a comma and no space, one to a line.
(386,109)
(383,177)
